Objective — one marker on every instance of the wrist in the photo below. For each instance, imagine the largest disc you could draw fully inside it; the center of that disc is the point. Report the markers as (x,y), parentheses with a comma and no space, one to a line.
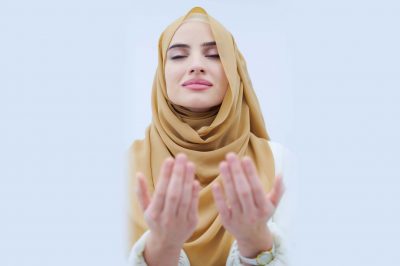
(252,246)
(159,252)
(158,242)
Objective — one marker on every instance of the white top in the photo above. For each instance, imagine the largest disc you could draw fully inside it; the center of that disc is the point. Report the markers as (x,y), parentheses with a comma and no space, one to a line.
(281,223)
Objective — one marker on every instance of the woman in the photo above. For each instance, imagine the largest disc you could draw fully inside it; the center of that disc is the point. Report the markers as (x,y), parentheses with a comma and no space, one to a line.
(206,158)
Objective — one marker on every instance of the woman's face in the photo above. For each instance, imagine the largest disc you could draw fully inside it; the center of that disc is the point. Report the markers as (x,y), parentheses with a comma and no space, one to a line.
(193,58)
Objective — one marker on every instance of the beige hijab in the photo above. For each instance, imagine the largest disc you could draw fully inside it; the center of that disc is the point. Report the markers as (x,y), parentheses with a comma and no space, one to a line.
(236,125)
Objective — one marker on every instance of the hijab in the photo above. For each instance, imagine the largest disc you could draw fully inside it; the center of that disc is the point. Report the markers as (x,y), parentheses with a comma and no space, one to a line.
(236,125)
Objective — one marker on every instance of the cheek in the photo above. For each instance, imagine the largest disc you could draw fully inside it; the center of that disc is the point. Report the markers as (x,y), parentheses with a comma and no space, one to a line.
(172,76)
(222,79)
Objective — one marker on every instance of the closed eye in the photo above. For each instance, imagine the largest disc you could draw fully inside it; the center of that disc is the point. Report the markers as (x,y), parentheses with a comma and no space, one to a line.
(178,57)
(183,56)
(213,56)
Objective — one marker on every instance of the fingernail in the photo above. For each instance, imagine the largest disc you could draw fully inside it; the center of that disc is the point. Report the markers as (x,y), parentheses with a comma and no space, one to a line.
(229,157)
(181,157)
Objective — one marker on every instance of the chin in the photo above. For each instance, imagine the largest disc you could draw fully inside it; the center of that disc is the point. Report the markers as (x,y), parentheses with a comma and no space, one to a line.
(196,106)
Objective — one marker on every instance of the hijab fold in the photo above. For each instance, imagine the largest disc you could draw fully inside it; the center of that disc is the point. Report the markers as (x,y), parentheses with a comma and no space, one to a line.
(236,125)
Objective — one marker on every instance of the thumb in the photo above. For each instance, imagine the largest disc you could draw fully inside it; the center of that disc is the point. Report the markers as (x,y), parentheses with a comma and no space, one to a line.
(142,192)
(277,191)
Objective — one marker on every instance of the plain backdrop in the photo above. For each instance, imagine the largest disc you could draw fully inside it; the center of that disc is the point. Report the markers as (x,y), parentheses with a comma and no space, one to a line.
(75,86)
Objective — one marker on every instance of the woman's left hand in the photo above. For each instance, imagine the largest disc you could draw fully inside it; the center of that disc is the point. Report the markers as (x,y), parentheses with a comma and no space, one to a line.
(248,207)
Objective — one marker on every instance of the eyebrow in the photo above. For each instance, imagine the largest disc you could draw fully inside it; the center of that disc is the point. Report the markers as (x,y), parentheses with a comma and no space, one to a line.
(182,45)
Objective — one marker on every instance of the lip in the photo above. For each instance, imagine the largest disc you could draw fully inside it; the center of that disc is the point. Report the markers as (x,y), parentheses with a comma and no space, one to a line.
(197,82)
(197,86)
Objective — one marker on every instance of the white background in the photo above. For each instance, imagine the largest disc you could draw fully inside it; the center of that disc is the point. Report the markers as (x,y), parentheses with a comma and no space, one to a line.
(75,84)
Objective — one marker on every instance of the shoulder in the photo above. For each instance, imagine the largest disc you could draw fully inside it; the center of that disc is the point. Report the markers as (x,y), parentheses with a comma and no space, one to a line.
(283,157)
(286,164)
(139,144)
(135,148)
(135,156)
(277,150)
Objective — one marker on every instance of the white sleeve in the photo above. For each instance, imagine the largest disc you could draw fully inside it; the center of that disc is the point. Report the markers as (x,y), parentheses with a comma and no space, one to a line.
(281,258)
(136,255)
(282,222)
(285,216)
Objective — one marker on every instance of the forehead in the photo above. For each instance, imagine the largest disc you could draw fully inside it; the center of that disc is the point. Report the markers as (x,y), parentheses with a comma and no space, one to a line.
(193,32)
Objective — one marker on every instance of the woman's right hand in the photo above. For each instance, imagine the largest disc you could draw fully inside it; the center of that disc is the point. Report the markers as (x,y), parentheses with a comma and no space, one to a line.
(171,213)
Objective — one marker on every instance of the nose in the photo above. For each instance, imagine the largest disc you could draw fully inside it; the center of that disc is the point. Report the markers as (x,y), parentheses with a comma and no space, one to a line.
(196,64)
(196,69)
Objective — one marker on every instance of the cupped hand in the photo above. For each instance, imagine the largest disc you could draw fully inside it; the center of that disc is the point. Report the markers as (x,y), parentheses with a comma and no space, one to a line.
(247,208)
(171,213)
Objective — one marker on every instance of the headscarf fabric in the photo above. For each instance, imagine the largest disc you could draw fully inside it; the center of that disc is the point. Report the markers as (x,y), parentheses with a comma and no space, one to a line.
(236,125)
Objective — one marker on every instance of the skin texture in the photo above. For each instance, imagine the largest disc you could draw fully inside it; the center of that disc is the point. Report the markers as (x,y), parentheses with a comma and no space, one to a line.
(246,208)
(197,62)
(172,211)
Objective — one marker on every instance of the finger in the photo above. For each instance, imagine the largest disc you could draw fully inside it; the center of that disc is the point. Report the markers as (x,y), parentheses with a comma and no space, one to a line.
(175,186)
(242,186)
(229,188)
(142,192)
(277,191)
(221,204)
(187,190)
(194,203)
(254,181)
(162,185)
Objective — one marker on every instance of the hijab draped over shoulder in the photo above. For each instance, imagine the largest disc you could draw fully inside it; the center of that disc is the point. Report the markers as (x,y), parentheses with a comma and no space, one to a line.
(236,125)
